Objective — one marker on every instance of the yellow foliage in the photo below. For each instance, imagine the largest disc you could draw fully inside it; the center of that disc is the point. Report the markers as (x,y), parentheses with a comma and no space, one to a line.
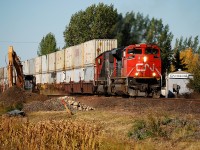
(172,68)
(190,59)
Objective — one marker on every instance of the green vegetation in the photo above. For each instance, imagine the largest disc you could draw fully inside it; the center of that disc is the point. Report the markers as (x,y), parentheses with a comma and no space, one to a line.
(194,83)
(164,127)
(5,107)
(187,57)
(47,45)
(96,22)
(103,21)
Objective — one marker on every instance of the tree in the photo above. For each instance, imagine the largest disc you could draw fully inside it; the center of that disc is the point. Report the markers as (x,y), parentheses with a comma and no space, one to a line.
(160,34)
(194,83)
(103,21)
(122,29)
(139,29)
(131,29)
(47,45)
(190,59)
(117,31)
(186,53)
(96,22)
(186,43)
(177,61)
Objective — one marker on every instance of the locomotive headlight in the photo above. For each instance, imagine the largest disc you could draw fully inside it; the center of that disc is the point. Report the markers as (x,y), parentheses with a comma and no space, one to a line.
(136,74)
(145,58)
(154,74)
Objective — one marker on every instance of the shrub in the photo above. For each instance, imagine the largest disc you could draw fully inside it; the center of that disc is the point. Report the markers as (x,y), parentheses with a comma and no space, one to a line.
(164,126)
(194,83)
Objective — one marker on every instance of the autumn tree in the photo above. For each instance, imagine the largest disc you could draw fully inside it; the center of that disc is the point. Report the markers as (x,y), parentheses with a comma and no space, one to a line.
(190,59)
(96,22)
(186,54)
(47,45)
(189,50)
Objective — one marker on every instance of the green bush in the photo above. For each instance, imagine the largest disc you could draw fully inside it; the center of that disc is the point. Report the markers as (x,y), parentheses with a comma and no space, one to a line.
(164,127)
(194,83)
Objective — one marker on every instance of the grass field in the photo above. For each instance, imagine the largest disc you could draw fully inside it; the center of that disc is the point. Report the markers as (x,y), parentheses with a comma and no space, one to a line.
(100,129)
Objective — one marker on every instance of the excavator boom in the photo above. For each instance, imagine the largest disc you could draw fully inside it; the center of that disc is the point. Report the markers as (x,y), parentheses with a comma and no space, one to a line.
(14,62)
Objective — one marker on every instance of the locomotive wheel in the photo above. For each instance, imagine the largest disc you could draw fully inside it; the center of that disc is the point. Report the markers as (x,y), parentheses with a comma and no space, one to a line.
(113,90)
(156,94)
(146,94)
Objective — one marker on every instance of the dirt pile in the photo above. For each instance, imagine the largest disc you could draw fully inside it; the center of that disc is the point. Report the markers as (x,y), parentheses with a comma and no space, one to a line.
(16,96)
(57,104)
(12,96)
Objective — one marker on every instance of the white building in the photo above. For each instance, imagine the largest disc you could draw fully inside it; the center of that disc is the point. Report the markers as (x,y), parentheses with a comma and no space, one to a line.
(176,83)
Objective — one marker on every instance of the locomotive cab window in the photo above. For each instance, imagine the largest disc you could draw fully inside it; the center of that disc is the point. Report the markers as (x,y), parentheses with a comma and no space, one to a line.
(135,51)
(151,51)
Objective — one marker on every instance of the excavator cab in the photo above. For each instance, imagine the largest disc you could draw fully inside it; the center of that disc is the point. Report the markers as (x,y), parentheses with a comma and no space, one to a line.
(29,82)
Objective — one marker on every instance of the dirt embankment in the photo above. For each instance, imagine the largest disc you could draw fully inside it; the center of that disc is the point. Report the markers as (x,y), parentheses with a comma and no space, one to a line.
(180,105)
(15,95)
(37,102)
(16,98)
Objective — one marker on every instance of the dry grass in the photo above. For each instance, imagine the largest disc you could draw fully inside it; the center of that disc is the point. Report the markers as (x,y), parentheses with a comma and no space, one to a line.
(19,133)
(100,130)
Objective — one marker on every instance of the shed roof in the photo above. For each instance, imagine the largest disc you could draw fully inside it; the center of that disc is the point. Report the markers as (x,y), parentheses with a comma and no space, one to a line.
(180,72)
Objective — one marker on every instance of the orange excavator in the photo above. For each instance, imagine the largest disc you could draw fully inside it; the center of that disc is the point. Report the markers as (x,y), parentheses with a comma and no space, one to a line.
(15,73)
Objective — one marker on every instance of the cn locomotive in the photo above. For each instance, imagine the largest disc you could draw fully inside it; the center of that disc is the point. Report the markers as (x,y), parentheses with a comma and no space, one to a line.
(131,71)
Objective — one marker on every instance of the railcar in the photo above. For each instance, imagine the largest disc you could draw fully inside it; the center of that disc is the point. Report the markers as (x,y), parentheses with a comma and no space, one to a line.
(97,67)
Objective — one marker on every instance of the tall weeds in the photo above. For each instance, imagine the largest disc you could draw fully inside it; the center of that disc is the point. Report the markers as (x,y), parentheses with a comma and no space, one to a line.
(19,133)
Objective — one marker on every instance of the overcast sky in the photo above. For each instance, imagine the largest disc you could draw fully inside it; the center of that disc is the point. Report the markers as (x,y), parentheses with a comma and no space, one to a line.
(24,23)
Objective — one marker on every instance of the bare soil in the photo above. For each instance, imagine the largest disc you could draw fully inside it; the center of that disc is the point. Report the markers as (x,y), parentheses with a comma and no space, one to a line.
(16,95)
(182,105)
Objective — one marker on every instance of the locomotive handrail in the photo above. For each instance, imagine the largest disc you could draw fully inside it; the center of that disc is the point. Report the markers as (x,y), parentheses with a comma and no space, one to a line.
(160,76)
(112,72)
(130,71)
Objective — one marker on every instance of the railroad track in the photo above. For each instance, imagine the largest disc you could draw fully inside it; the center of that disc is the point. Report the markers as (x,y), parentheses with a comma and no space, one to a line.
(132,98)
(173,99)
(53,95)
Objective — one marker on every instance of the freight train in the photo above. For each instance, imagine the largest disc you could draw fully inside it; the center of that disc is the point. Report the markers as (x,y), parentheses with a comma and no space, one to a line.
(97,67)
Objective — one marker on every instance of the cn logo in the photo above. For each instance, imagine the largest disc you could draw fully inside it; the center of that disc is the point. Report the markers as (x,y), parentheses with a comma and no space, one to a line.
(143,67)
